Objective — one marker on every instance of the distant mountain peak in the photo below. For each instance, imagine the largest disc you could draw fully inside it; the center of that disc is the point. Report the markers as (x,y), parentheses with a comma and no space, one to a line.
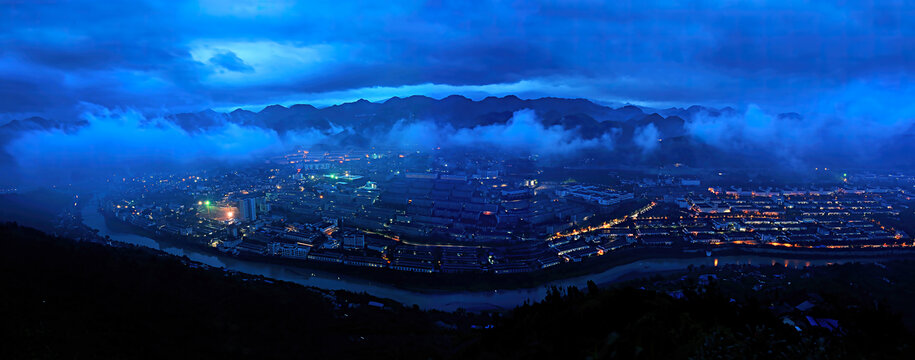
(302,107)
(240,110)
(456,97)
(653,117)
(273,108)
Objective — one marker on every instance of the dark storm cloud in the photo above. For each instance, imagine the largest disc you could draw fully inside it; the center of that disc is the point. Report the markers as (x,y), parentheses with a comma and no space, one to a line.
(188,55)
(231,62)
(826,41)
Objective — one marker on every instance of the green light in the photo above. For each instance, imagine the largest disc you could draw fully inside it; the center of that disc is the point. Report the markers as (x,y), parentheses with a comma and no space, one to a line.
(207,203)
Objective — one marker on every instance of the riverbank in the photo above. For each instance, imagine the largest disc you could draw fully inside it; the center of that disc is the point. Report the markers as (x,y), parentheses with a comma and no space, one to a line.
(443,283)
(461,298)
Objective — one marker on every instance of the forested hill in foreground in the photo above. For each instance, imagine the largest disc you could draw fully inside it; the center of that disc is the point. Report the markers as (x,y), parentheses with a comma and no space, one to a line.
(64,299)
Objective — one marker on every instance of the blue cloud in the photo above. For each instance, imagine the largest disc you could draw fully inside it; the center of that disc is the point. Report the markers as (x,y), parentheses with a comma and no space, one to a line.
(158,55)
(231,62)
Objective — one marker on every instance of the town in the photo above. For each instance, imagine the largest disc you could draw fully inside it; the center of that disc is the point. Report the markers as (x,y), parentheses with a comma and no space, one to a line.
(428,212)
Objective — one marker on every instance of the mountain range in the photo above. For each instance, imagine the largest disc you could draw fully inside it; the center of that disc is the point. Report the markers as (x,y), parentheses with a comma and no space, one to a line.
(460,112)
(639,135)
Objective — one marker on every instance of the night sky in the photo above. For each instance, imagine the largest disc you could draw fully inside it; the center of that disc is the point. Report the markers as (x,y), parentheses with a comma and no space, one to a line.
(172,56)
(116,70)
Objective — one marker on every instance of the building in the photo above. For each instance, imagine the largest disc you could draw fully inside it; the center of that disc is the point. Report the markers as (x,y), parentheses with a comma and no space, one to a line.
(289,250)
(354,241)
(247,208)
(594,194)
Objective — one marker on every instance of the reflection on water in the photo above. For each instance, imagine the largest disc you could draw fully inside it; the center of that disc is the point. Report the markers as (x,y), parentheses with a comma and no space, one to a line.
(483,300)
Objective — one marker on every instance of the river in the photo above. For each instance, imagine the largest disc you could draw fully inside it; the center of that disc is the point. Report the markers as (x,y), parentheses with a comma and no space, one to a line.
(474,301)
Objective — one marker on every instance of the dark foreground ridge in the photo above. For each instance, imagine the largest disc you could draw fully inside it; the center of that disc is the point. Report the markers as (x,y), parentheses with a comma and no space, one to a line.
(66,299)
